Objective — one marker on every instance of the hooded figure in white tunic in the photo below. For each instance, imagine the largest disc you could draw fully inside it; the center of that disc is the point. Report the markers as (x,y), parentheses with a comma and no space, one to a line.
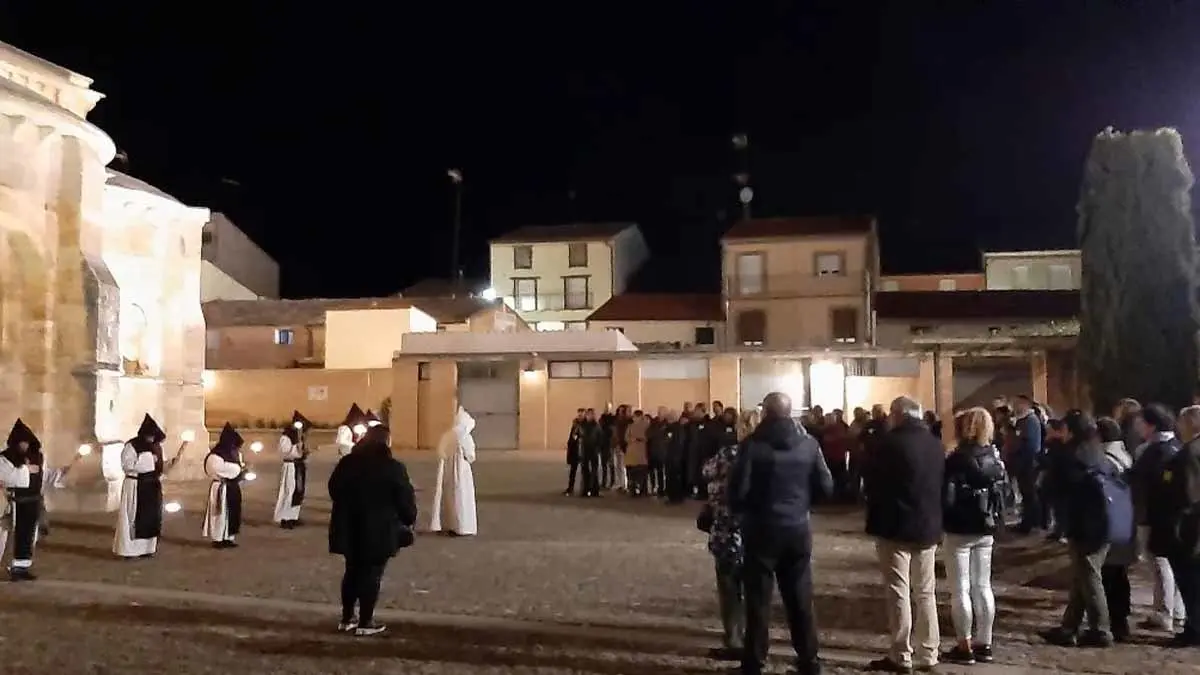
(350,431)
(223,465)
(20,477)
(453,508)
(293,476)
(140,513)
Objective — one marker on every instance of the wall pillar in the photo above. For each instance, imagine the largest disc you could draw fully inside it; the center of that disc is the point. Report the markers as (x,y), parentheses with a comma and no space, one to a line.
(1039,375)
(405,421)
(944,400)
(926,377)
(724,380)
(627,382)
(443,394)
(534,402)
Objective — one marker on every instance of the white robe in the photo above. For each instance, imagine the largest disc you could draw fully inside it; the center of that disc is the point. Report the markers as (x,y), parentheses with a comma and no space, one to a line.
(453,507)
(344,440)
(287,480)
(10,477)
(216,516)
(124,545)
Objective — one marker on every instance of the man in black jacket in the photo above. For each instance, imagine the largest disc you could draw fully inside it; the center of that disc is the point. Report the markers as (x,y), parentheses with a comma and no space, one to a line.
(903,485)
(771,487)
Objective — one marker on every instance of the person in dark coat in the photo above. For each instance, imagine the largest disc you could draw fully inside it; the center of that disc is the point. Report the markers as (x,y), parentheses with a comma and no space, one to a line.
(656,448)
(574,452)
(607,422)
(701,446)
(374,509)
(1180,481)
(903,486)
(676,442)
(1159,445)
(774,480)
(592,442)
(1026,456)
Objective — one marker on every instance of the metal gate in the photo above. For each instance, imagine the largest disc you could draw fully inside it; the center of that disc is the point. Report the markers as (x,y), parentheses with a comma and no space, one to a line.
(490,392)
(761,376)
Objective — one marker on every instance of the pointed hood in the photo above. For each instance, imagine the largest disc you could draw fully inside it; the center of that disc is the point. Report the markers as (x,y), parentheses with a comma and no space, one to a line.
(354,416)
(150,429)
(304,422)
(21,432)
(371,419)
(229,444)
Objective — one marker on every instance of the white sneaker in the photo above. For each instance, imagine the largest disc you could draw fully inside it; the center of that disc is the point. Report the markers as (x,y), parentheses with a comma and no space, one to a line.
(370,629)
(348,626)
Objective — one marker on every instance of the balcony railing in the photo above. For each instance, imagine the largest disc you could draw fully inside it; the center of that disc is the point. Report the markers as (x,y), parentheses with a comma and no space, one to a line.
(550,302)
(796,285)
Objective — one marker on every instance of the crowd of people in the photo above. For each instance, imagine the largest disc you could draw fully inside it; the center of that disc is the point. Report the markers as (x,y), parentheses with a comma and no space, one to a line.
(1114,490)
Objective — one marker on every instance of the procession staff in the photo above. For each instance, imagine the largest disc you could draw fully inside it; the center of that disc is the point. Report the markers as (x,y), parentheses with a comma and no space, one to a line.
(223,517)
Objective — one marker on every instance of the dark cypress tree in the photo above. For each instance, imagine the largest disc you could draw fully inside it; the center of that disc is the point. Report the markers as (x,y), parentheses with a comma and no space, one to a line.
(1138,329)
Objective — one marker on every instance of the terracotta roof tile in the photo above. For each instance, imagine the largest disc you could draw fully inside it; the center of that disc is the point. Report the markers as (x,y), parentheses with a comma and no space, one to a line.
(661,307)
(806,226)
(535,234)
(976,305)
(226,313)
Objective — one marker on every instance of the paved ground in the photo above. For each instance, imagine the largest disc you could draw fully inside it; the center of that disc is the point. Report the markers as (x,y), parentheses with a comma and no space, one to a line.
(552,585)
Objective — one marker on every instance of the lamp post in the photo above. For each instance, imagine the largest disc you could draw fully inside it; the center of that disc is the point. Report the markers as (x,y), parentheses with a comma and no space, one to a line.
(456,177)
(741,145)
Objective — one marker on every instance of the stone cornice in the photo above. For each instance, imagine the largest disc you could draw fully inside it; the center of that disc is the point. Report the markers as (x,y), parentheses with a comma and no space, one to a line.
(140,201)
(18,101)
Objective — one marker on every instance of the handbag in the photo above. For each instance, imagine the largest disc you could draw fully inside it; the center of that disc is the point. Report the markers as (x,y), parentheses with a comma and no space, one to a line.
(704,520)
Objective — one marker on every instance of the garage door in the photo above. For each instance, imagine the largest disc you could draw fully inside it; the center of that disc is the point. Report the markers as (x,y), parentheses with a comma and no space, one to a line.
(490,392)
(763,376)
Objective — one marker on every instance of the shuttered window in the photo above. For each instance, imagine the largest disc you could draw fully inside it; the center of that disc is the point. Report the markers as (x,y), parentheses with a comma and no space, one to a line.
(845,325)
(752,327)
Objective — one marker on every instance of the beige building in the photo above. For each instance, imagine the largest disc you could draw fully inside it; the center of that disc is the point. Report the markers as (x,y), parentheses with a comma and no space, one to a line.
(927,283)
(556,276)
(100,318)
(793,283)
(336,334)
(664,321)
(234,267)
(1032,270)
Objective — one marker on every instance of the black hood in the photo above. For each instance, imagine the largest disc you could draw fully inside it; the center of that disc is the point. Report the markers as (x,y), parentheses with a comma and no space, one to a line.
(228,444)
(150,429)
(781,433)
(354,416)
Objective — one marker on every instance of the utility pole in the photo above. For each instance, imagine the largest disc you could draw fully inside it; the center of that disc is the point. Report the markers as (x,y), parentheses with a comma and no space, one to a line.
(456,177)
(741,145)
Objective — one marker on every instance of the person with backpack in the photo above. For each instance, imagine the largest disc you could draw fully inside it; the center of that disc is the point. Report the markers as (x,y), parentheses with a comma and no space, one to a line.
(1121,554)
(1100,512)
(971,510)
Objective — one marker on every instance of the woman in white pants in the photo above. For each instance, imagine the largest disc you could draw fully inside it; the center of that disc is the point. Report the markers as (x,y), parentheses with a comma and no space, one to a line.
(970,515)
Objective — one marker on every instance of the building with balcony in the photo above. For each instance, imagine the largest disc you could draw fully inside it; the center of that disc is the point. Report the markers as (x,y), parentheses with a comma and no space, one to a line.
(797,283)
(555,276)
(233,267)
(664,321)
(1032,270)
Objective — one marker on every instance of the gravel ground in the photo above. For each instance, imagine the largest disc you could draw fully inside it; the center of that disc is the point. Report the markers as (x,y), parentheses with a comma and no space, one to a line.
(611,562)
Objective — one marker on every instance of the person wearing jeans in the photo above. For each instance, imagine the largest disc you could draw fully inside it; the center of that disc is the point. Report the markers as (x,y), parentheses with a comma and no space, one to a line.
(374,509)
(1156,426)
(902,481)
(971,509)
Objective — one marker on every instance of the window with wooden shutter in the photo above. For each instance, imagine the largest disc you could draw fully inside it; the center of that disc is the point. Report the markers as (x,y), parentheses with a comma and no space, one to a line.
(752,327)
(844,322)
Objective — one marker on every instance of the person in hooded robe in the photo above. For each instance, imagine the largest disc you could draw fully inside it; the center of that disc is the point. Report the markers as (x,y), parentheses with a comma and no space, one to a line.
(223,517)
(140,512)
(293,477)
(21,475)
(346,435)
(453,509)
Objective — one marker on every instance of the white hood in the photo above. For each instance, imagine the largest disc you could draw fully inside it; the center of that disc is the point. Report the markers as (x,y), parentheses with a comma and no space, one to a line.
(458,437)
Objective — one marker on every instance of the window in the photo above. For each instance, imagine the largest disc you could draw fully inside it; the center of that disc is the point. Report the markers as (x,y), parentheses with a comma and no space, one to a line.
(1060,277)
(706,335)
(844,322)
(576,294)
(525,294)
(830,264)
(523,257)
(1021,276)
(424,371)
(285,336)
(212,338)
(206,238)
(947,285)
(890,285)
(574,370)
(752,327)
(549,326)
(576,325)
(577,255)
(750,273)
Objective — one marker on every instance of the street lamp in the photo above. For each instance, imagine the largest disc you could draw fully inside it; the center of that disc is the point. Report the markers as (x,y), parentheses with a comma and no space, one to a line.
(456,177)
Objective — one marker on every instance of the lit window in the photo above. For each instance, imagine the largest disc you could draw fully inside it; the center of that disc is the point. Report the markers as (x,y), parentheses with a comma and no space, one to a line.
(750,273)
(947,285)
(284,336)
(830,264)
(576,325)
(550,326)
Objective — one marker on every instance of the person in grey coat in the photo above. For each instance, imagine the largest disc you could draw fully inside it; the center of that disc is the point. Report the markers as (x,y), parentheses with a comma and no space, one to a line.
(1115,572)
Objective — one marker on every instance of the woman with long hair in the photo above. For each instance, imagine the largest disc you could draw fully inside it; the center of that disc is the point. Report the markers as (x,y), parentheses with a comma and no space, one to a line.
(970,518)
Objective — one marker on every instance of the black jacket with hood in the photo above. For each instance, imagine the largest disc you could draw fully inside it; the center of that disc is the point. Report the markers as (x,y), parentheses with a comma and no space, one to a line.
(779,473)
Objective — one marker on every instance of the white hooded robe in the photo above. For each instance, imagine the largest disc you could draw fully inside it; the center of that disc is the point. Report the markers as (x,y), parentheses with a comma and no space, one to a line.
(453,507)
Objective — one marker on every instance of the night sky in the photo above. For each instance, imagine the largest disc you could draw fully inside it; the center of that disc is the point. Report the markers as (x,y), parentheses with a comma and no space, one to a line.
(961,124)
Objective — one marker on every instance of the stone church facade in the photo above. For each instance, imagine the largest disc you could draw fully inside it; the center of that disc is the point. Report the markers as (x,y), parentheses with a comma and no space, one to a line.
(100,318)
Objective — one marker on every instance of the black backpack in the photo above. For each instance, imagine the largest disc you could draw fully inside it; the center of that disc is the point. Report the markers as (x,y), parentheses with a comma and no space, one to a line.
(984,505)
